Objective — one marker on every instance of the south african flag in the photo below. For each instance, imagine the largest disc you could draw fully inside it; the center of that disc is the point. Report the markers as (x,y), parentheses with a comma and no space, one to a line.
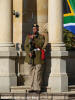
(69,15)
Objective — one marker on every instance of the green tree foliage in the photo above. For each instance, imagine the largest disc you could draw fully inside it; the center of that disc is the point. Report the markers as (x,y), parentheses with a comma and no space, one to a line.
(69,40)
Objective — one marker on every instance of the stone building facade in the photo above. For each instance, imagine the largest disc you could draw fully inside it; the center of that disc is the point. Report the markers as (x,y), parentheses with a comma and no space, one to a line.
(16,19)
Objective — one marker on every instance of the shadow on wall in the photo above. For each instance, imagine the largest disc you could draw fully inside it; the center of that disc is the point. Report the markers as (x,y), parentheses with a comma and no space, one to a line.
(47,68)
(71,67)
(29,17)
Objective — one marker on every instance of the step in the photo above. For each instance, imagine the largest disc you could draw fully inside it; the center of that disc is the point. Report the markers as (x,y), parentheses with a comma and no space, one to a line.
(71,88)
(23,89)
(19,89)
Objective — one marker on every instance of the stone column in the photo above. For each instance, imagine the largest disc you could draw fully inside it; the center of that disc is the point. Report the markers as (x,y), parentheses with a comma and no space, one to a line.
(7,49)
(55,21)
(58,80)
(5,22)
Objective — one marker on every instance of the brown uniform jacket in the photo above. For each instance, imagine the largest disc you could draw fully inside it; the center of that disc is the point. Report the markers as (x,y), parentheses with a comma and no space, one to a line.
(39,42)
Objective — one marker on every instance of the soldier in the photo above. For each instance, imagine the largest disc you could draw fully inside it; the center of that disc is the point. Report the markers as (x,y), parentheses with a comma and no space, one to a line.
(34,59)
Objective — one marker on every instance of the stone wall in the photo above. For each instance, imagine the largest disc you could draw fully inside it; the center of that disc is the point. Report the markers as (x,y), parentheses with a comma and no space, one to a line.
(30,13)
(17,21)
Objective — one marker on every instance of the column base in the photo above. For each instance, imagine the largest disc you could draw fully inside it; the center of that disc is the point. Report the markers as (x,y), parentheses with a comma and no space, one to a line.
(7,68)
(58,46)
(9,44)
(58,80)
(6,82)
(58,83)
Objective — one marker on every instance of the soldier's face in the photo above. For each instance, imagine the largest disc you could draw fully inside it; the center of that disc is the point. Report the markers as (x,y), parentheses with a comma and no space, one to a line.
(34,29)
